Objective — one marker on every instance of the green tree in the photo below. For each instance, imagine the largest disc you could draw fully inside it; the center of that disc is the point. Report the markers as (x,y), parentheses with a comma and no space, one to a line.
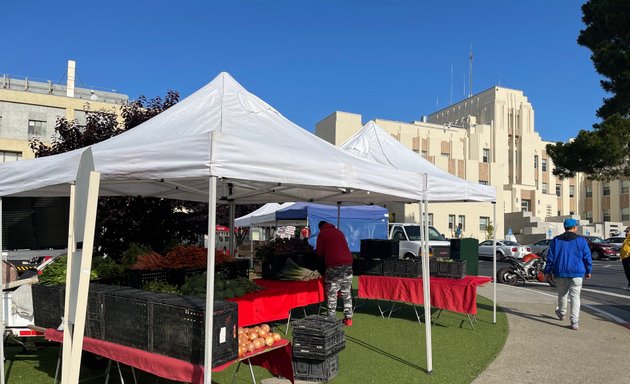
(489,230)
(604,152)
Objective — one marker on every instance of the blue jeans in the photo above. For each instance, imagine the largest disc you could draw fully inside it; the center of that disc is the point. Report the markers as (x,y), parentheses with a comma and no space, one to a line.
(569,287)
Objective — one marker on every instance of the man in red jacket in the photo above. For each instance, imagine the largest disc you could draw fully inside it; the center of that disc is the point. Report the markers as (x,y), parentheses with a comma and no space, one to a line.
(332,245)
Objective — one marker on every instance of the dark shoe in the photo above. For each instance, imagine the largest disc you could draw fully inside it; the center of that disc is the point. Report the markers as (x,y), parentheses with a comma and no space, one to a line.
(574,326)
(347,322)
(559,314)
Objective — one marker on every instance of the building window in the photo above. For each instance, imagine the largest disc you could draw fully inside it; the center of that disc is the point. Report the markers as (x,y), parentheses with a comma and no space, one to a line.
(625,186)
(486,155)
(525,205)
(589,191)
(451,222)
(558,190)
(606,188)
(544,187)
(36,128)
(483,182)
(430,219)
(588,215)
(535,161)
(571,190)
(625,214)
(462,220)
(606,214)
(483,223)
(8,156)
(543,165)
(424,153)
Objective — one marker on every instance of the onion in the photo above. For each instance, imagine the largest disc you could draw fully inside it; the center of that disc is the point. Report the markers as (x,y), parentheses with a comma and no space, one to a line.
(269,341)
(262,333)
(259,343)
(241,351)
(250,347)
(276,336)
(252,335)
(265,327)
(241,330)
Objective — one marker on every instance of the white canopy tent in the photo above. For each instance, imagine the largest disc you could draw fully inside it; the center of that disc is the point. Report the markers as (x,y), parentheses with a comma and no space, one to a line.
(262,217)
(222,144)
(374,144)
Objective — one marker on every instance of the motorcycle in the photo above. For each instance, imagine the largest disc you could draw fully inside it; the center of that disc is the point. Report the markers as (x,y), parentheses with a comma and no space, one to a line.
(530,268)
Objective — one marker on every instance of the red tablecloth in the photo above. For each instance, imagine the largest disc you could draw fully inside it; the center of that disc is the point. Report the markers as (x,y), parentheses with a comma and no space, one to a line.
(277,299)
(450,294)
(276,360)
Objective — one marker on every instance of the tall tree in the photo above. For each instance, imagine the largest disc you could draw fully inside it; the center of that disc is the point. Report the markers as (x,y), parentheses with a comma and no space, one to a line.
(604,152)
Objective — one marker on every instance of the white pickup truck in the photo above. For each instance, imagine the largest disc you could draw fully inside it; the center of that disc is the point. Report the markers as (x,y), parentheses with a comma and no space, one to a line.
(408,236)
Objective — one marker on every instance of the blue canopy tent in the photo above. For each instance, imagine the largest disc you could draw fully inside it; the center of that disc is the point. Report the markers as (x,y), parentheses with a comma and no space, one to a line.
(357,222)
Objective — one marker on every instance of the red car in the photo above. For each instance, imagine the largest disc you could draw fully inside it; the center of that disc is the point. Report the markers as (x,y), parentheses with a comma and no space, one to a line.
(601,249)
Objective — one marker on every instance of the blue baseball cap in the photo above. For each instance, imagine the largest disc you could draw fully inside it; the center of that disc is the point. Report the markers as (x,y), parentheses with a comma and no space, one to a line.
(570,223)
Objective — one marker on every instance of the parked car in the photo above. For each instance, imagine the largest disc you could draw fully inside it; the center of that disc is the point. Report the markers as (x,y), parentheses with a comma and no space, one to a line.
(616,241)
(504,248)
(539,246)
(601,249)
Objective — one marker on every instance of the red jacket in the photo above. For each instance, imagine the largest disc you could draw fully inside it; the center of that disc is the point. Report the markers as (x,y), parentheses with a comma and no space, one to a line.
(332,245)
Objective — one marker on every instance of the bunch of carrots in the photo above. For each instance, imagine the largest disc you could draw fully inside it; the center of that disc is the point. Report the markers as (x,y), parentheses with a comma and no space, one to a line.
(179,257)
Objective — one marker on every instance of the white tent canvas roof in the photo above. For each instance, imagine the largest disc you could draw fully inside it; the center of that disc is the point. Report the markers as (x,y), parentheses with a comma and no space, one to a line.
(373,143)
(221,130)
(263,216)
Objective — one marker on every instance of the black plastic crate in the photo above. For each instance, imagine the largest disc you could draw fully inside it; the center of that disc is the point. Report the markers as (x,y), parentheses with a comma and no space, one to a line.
(441,251)
(179,329)
(373,267)
(48,305)
(316,325)
(94,318)
(318,347)
(233,269)
(126,318)
(457,269)
(379,249)
(137,278)
(316,370)
(402,268)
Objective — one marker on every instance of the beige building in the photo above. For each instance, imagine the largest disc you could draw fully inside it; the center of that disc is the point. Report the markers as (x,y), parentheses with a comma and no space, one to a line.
(488,138)
(31,108)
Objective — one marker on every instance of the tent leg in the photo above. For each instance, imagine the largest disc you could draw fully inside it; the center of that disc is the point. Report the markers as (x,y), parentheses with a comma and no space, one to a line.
(494,264)
(212,221)
(1,306)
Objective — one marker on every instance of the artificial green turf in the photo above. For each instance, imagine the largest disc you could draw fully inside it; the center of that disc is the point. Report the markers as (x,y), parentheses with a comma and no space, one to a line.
(377,351)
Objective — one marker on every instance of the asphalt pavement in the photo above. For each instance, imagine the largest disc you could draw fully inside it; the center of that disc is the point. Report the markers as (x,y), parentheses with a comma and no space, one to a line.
(542,349)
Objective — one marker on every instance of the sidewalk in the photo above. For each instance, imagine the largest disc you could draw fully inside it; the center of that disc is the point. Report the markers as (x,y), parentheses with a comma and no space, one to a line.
(540,348)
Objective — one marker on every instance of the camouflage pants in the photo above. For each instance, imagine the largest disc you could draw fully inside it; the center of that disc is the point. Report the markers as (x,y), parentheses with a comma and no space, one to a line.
(339,279)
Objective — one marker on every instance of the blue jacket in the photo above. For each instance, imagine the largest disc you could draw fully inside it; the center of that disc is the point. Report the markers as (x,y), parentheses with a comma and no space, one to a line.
(569,256)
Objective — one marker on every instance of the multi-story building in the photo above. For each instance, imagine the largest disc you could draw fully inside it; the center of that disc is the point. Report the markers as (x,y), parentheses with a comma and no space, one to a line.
(31,108)
(488,138)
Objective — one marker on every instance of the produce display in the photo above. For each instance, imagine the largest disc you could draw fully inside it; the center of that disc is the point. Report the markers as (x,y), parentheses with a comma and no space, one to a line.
(251,340)
(275,254)
(292,271)
(223,288)
(55,272)
(180,257)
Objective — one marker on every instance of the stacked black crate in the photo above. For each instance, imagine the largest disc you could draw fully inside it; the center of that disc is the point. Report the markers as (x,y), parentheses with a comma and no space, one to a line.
(317,341)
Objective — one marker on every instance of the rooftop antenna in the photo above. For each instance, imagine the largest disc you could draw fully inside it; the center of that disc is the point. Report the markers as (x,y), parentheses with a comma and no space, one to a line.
(470,66)
(451,101)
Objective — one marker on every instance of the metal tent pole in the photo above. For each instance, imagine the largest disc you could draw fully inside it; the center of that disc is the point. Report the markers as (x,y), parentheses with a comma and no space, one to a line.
(426,285)
(212,221)
(494,264)
(2,325)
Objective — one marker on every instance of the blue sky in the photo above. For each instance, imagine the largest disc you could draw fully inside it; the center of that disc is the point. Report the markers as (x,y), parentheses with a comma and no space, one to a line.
(381,59)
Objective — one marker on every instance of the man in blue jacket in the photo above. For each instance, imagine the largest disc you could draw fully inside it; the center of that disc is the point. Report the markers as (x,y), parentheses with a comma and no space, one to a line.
(569,260)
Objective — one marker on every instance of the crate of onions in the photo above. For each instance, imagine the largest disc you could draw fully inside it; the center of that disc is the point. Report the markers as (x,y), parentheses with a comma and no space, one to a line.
(255,339)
